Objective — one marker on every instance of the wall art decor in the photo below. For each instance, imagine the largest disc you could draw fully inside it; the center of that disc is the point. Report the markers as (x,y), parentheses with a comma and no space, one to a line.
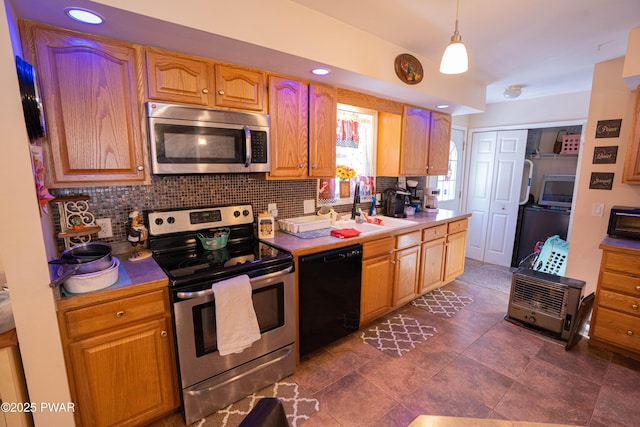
(608,128)
(605,155)
(408,68)
(601,181)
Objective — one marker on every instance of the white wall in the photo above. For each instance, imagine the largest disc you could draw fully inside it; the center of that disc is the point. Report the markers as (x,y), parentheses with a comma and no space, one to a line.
(610,99)
(22,248)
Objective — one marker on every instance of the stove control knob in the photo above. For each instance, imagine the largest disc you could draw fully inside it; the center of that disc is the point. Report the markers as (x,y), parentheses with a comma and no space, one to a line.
(159,221)
(171,220)
(236,213)
(245,212)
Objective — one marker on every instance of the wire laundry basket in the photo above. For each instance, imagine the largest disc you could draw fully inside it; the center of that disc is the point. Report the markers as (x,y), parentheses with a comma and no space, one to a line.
(552,257)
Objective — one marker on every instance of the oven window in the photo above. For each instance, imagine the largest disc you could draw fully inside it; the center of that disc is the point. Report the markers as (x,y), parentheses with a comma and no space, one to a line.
(190,144)
(268,303)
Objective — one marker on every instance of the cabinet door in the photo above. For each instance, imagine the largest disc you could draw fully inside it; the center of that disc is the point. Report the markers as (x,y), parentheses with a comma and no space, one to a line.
(239,87)
(389,135)
(455,254)
(432,266)
(322,131)
(439,143)
(125,377)
(178,78)
(631,172)
(415,141)
(91,93)
(377,286)
(289,111)
(406,275)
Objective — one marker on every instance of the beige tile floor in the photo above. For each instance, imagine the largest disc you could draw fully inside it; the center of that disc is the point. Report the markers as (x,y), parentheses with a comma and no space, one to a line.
(478,365)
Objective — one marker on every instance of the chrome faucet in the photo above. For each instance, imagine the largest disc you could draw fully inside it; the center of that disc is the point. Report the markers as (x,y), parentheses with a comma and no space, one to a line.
(356,200)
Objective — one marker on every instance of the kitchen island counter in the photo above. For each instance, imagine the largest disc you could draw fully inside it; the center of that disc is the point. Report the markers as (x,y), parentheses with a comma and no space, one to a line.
(299,246)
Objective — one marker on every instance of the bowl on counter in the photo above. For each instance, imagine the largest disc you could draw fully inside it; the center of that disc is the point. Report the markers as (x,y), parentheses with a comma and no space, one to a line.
(89,282)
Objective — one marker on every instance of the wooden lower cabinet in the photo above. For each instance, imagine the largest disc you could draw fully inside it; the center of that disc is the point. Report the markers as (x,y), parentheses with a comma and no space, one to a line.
(456,248)
(432,258)
(377,278)
(407,268)
(120,359)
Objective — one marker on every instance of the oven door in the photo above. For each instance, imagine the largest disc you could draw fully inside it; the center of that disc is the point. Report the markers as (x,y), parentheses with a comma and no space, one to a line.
(184,146)
(273,300)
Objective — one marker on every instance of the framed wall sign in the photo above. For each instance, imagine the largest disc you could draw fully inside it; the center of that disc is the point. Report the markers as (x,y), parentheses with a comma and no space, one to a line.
(608,128)
(605,155)
(601,181)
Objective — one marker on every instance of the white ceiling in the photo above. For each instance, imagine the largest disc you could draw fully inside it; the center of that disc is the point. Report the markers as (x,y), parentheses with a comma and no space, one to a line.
(548,46)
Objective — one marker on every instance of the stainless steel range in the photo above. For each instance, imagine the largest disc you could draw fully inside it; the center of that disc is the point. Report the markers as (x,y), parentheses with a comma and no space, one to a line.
(209,380)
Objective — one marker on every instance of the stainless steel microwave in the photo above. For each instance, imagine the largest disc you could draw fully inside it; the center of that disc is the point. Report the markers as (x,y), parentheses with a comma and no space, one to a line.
(624,222)
(190,140)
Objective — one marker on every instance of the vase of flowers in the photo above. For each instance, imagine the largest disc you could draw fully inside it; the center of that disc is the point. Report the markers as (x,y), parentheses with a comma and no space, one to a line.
(344,174)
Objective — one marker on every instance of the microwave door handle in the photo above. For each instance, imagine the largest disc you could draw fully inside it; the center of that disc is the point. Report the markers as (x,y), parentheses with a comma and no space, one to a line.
(627,214)
(247,142)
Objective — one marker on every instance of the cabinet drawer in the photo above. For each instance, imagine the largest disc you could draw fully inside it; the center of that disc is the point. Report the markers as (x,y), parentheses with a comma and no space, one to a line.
(433,233)
(620,283)
(408,239)
(378,247)
(117,313)
(617,328)
(457,226)
(621,262)
(620,302)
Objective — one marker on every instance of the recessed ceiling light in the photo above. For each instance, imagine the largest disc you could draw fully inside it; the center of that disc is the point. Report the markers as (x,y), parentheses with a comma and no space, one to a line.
(84,15)
(320,71)
(442,106)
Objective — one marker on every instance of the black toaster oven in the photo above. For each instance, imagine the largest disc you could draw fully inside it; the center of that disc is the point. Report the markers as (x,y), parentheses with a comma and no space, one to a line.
(624,222)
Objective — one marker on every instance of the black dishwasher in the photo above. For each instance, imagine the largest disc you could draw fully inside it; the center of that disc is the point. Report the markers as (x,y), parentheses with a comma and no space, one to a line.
(329,296)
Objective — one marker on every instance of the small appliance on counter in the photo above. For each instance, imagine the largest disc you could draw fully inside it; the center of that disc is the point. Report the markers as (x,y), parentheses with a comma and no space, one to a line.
(431,199)
(394,201)
(624,222)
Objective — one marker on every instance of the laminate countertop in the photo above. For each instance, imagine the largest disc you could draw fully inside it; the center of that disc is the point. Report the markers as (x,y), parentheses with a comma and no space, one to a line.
(299,246)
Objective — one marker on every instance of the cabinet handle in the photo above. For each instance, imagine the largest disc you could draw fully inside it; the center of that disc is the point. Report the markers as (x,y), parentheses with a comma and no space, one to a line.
(140,168)
(392,262)
(205,90)
(634,306)
(630,333)
(120,314)
(220,92)
(163,333)
(637,288)
(301,165)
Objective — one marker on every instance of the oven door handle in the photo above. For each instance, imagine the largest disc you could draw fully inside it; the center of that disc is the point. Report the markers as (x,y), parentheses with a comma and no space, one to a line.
(242,375)
(207,292)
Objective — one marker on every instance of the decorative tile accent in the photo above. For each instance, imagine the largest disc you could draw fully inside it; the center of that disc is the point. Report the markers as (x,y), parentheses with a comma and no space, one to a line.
(442,302)
(398,335)
(297,405)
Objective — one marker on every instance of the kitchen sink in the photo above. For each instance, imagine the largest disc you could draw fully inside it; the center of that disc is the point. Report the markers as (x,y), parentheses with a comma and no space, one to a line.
(387,223)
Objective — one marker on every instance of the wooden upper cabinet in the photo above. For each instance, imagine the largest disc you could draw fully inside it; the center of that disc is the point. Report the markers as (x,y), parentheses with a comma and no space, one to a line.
(289,111)
(439,143)
(91,92)
(178,78)
(631,173)
(322,130)
(389,138)
(414,152)
(239,88)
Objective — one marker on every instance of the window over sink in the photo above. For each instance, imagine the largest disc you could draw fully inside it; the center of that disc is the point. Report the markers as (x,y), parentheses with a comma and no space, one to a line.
(356,135)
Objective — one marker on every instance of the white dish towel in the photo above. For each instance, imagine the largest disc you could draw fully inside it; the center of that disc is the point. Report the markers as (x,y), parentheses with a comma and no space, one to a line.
(236,321)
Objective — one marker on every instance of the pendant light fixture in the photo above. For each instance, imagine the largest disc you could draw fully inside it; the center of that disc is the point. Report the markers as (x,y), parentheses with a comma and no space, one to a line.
(455,60)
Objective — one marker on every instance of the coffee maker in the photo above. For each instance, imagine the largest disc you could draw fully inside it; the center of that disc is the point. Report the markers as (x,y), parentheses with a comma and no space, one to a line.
(394,201)
(431,199)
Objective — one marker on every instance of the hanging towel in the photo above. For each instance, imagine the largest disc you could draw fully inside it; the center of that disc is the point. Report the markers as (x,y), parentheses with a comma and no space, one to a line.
(236,322)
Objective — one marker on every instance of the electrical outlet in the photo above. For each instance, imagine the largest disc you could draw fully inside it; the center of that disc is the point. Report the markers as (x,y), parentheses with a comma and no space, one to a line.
(309,206)
(105,226)
(597,209)
(272,209)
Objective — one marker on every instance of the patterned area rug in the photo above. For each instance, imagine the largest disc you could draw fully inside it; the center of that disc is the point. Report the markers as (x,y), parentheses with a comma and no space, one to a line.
(298,406)
(397,336)
(442,302)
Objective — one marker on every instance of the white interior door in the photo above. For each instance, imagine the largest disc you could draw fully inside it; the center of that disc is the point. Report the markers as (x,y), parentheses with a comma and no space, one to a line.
(495,175)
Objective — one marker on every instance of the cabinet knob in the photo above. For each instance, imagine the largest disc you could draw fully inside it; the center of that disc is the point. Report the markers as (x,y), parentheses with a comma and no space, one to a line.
(634,306)
(637,288)
(630,333)
(220,92)
(140,167)
(301,165)
(205,90)
(426,167)
(163,333)
(314,166)
(120,314)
